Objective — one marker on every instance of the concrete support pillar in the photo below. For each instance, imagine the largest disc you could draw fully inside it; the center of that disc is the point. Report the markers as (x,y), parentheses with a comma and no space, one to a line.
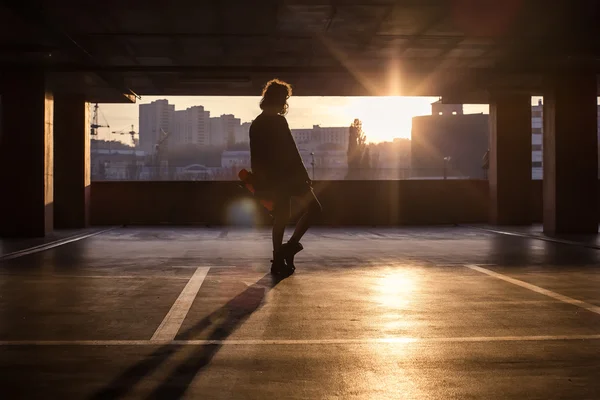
(510,159)
(26,156)
(72,162)
(570,155)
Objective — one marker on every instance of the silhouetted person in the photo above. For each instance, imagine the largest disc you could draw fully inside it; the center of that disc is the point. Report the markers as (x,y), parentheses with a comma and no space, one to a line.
(279,174)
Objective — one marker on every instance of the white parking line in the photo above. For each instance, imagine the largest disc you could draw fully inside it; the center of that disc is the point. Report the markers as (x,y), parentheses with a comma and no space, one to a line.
(51,245)
(60,276)
(172,322)
(299,342)
(212,266)
(537,289)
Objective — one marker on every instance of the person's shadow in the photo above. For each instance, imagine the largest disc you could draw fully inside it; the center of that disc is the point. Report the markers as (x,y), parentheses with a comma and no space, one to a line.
(232,315)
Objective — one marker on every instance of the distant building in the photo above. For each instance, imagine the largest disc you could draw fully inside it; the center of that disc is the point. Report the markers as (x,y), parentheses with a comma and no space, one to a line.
(152,118)
(328,164)
(192,126)
(223,130)
(195,172)
(115,161)
(439,108)
(448,132)
(180,128)
(217,137)
(335,135)
(537,130)
(235,158)
(449,142)
(313,138)
(242,133)
(303,138)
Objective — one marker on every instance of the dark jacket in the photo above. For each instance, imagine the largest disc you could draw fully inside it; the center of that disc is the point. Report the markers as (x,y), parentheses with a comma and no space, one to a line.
(276,162)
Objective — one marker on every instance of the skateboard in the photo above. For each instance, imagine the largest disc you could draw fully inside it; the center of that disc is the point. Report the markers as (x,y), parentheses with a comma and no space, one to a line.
(246,178)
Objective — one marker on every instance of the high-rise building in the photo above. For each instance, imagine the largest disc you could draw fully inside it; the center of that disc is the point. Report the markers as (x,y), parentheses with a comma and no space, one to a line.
(152,118)
(198,126)
(537,130)
(180,128)
(223,130)
(192,126)
(217,133)
(242,133)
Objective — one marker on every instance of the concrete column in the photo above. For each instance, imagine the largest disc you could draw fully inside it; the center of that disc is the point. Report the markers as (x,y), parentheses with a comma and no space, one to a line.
(26,156)
(570,155)
(72,162)
(510,159)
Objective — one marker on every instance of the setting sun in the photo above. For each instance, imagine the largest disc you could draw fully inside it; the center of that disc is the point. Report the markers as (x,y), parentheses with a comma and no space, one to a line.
(386,118)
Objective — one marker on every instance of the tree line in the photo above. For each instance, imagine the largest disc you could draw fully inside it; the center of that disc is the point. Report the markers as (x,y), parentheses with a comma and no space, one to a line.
(359,154)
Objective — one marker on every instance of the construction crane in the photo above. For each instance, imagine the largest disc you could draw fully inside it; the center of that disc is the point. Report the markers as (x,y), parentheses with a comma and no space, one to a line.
(133,169)
(132,133)
(95,124)
(161,140)
(158,152)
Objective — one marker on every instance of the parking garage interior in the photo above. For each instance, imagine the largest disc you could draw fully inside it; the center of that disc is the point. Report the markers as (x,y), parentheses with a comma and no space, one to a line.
(407,289)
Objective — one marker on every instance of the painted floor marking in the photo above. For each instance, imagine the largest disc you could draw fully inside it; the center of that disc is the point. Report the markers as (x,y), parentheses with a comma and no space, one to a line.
(194,267)
(296,342)
(53,244)
(172,322)
(462,264)
(532,235)
(537,289)
(48,277)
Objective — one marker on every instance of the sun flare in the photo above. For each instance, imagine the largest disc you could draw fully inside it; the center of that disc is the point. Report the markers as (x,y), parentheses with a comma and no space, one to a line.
(386,118)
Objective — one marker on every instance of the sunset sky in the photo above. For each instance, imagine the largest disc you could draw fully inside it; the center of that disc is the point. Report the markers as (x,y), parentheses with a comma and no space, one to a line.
(383,118)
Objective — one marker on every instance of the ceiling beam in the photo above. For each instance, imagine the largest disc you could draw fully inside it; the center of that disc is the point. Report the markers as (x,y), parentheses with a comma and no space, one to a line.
(368,39)
(438,17)
(531,40)
(226,70)
(277,35)
(35,14)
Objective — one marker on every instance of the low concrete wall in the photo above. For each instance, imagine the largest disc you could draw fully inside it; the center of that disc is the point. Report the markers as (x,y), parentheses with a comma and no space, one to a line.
(344,202)
(404,202)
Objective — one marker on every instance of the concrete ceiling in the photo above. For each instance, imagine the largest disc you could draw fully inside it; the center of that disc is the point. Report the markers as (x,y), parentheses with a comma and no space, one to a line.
(460,48)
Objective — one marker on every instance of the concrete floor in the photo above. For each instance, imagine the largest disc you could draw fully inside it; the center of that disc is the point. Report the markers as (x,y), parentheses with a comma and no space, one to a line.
(537,230)
(414,313)
(13,247)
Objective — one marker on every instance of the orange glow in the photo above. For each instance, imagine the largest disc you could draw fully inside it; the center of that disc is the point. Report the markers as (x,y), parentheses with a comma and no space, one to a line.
(386,118)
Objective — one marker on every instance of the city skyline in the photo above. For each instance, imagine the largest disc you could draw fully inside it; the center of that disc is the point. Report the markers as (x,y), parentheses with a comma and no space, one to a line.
(381,118)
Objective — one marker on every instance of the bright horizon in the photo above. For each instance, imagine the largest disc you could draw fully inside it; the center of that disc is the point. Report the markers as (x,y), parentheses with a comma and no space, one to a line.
(383,118)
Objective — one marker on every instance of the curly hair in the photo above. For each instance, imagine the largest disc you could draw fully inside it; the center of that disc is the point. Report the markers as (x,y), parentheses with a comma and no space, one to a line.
(275,95)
